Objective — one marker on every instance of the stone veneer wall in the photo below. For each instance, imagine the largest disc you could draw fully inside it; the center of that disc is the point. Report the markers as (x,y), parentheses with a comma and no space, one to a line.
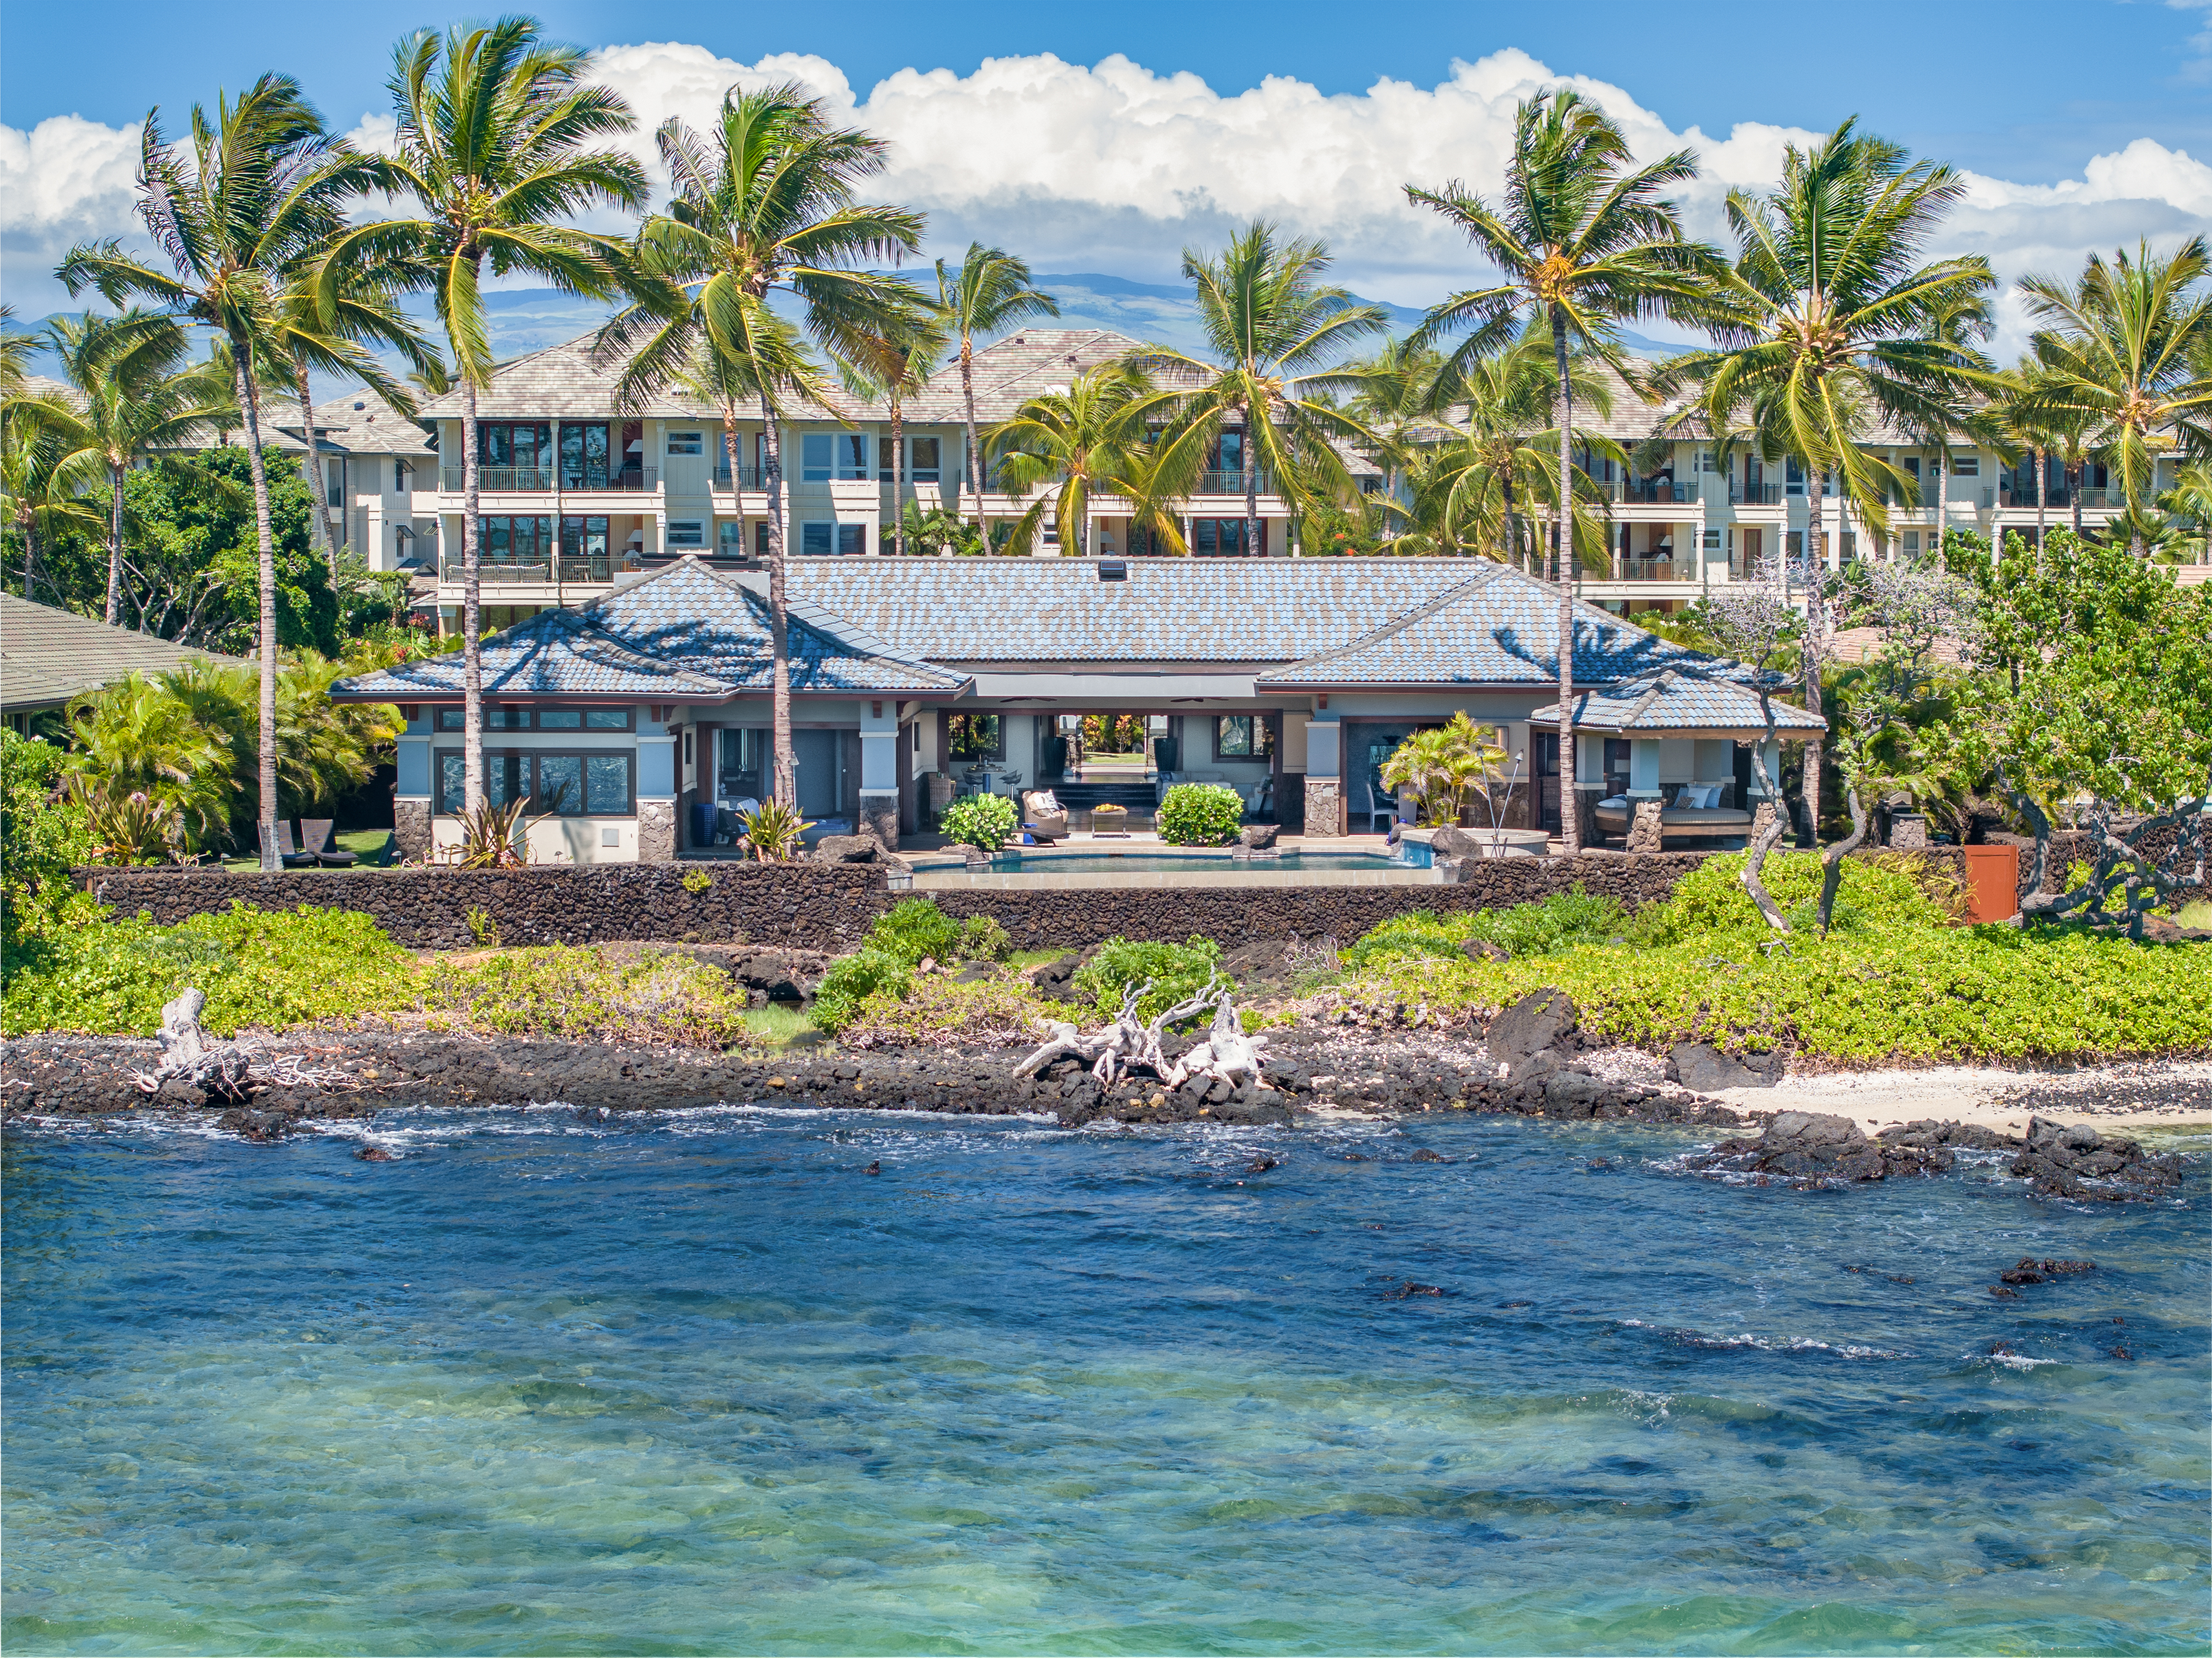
(829,905)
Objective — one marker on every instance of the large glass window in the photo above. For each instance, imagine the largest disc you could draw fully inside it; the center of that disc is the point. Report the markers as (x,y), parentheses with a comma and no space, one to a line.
(505,777)
(584,449)
(687,532)
(1222,536)
(517,540)
(815,459)
(1244,737)
(560,785)
(817,539)
(585,538)
(973,736)
(515,443)
(928,459)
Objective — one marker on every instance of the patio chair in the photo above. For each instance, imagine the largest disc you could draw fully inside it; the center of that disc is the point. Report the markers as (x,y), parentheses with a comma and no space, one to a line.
(1383,810)
(288,854)
(1043,816)
(316,833)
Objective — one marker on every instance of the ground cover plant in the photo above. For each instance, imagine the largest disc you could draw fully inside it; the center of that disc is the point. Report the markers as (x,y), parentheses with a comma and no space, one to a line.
(1175,973)
(885,968)
(1895,980)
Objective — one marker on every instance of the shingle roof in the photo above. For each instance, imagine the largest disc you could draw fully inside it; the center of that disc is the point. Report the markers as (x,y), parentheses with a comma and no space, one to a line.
(684,634)
(1713,697)
(1169,610)
(1494,626)
(48,655)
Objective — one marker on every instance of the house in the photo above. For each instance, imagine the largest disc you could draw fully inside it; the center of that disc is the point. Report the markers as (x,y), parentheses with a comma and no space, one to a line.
(627,722)
(48,656)
(371,464)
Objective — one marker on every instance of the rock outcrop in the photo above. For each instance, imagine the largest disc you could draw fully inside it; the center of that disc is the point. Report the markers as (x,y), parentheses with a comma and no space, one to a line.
(2075,1161)
(1809,1149)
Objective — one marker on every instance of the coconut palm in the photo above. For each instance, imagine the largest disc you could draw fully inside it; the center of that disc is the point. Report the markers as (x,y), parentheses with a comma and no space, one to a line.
(137,395)
(259,185)
(991,292)
(2190,501)
(15,354)
(765,206)
(1278,335)
(1583,239)
(893,359)
(1398,402)
(1829,322)
(493,149)
(39,497)
(1088,441)
(2125,350)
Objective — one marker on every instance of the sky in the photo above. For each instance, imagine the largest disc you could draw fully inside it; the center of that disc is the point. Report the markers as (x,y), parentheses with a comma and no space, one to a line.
(1106,139)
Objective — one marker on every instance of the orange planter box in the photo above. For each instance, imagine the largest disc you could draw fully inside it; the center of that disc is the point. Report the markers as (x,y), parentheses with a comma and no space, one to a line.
(1992,883)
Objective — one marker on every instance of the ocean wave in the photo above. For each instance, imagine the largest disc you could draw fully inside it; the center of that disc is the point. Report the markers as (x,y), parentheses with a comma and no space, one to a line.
(1764,1344)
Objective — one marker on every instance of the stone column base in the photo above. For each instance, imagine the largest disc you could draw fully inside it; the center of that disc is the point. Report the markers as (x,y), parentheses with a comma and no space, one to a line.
(879,816)
(1324,806)
(1762,819)
(1908,832)
(1643,832)
(410,826)
(656,831)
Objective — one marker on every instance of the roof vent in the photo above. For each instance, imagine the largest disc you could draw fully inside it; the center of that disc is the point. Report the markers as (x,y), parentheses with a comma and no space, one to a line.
(1019,340)
(361,405)
(1113,569)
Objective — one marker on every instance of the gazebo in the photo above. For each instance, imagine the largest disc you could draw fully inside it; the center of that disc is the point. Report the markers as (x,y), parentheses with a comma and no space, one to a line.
(1679,727)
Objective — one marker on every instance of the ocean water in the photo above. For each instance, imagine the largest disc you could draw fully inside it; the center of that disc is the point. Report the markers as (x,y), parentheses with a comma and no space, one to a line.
(547,1383)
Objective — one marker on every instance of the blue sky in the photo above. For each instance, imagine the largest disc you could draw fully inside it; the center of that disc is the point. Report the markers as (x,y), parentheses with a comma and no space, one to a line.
(2086,125)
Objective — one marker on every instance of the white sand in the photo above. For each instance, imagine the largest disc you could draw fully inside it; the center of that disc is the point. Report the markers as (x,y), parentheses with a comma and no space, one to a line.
(2176,1094)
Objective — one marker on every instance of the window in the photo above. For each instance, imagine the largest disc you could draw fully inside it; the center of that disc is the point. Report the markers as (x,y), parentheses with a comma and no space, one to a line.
(1242,737)
(334,484)
(817,540)
(814,458)
(1965,463)
(518,540)
(1910,465)
(1706,461)
(1912,543)
(730,538)
(852,538)
(852,455)
(926,460)
(687,532)
(1222,536)
(519,444)
(973,736)
(687,443)
(564,785)
(1794,542)
(400,474)
(1793,477)
(585,538)
(560,719)
(607,720)
(824,455)
(546,720)
(494,720)
(760,539)
(1712,542)
(584,450)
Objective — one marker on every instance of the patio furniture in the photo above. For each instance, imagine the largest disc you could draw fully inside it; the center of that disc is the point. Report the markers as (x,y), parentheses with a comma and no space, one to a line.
(315,833)
(1043,816)
(288,854)
(1109,820)
(1678,821)
(1378,811)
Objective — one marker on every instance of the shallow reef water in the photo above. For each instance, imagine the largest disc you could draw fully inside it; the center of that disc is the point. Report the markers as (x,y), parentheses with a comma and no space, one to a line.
(551,1382)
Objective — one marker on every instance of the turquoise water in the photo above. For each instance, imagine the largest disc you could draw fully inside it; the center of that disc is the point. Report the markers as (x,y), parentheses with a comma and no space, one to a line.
(1097,863)
(551,1385)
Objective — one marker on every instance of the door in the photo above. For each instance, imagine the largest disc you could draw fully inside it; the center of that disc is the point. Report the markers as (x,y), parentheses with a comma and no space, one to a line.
(1547,746)
(820,786)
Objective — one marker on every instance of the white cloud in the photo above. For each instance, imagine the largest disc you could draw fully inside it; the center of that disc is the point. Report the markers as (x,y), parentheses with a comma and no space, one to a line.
(1113,167)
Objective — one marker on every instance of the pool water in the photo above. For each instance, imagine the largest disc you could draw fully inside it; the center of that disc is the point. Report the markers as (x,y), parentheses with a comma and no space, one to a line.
(1137,863)
(699,1384)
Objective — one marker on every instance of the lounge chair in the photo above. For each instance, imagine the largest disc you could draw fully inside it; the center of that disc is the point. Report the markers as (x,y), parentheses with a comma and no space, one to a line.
(1043,817)
(316,833)
(288,854)
(1676,821)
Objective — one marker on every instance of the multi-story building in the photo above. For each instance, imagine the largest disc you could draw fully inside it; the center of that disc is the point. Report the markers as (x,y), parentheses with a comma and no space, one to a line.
(372,466)
(575,495)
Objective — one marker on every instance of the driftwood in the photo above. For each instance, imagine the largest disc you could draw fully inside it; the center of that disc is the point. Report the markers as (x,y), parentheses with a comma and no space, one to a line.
(1127,1043)
(189,1056)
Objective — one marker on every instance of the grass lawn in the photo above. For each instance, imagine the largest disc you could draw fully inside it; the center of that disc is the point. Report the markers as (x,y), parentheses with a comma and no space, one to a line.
(372,848)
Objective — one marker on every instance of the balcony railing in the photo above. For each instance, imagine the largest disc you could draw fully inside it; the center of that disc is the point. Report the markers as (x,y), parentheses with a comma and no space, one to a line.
(540,573)
(541,480)
(1655,569)
(1234,484)
(1656,492)
(749,478)
(2093,498)
(1763,495)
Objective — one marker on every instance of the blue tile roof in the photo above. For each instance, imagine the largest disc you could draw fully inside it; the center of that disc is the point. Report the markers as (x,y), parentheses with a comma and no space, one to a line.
(554,654)
(1717,697)
(1169,610)
(1494,626)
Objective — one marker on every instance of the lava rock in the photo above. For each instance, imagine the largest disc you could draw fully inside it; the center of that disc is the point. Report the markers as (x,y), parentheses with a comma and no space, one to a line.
(374,1154)
(1056,980)
(1706,1070)
(1482,950)
(847,849)
(1259,836)
(1813,1149)
(2075,1161)
(1927,1134)
(1260,1165)
(1540,1021)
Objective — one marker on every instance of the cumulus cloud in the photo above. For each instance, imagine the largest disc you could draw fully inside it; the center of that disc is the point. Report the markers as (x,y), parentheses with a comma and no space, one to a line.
(1116,167)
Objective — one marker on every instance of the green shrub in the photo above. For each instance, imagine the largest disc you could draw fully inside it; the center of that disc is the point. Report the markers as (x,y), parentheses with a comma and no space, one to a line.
(1711,901)
(986,822)
(932,1009)
(902,938)
(1416,932)
(586,995)
(853,979)
(1199,814)
(1177,971)
(1560,921)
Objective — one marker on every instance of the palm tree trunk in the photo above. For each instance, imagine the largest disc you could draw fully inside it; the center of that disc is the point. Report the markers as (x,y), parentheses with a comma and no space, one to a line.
(2074,494)
(318,491)
(1571,827)
(898,476)
(472,756)
(736,477)
(114,540)
(779,612)
(974,459)
(249,408)
(1251,493)
(1816,614)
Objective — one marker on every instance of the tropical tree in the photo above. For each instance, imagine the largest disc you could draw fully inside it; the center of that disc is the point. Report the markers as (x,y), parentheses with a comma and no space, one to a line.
(2124,353)
(260,185)
(40,497)
(1583,239)
(2190,501)
(15,350)
(1397,399)
(1088,441)
(768,206)
(1829,321)
(136,396)
(892,360)
(991,291)
(493,149)
(1279,336)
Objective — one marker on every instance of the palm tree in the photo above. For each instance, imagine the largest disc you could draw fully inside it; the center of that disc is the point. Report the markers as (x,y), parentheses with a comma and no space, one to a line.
(137,396)
(1828,321)
(494,125)
(40,496)
(892,360)
(1398,402)
(262,184)
(766,208)
(990,293)
(15,354)
(2125,352)
(1583,239)
(1274,329)
(1089,440)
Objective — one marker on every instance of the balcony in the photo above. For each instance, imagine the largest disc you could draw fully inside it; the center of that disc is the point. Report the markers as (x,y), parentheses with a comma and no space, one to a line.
(544,480)
(748,477)
(1650,492)
(1234,484)
(1763,494)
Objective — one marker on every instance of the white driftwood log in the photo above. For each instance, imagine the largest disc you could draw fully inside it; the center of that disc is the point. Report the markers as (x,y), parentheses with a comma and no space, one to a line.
(188,1056)
(1227,1053)
(1127,1044)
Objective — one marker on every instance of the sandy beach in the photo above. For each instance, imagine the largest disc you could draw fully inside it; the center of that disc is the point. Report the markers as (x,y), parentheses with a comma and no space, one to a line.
(2149,1094)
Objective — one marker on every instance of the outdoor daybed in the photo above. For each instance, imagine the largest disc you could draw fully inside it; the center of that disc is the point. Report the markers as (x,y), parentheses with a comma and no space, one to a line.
(1678,821)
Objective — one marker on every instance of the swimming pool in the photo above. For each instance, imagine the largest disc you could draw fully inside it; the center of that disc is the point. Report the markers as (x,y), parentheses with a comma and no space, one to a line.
(1146,867)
